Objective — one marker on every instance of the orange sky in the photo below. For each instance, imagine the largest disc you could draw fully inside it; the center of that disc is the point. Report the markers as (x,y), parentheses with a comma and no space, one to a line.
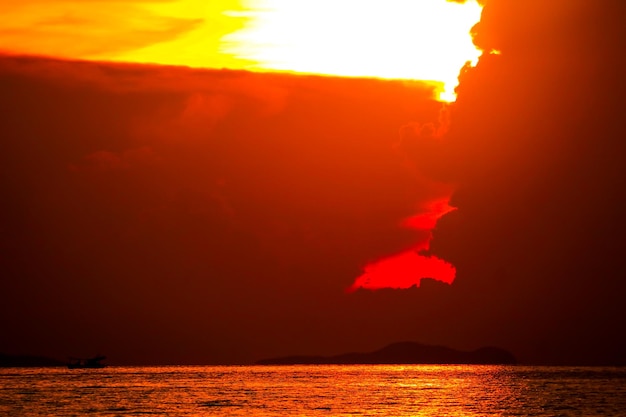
(118,29)
(426,40)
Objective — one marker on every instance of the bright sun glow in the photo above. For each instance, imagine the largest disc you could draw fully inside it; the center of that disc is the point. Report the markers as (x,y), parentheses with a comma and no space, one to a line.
(426,40)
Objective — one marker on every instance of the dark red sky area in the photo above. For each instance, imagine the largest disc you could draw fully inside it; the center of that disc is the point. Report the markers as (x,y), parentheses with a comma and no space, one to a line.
(164,215)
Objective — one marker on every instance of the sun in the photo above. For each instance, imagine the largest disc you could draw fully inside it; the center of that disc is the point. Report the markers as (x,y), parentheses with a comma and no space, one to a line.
(427,40)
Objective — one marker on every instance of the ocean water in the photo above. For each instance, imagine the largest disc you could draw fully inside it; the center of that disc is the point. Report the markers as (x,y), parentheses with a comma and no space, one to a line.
(356,390)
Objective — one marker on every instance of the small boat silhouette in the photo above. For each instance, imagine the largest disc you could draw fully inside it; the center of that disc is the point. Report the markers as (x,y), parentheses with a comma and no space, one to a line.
(87,363)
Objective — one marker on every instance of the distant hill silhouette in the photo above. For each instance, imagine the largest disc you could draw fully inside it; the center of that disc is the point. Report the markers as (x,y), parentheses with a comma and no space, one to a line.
(27,361)
(404,353)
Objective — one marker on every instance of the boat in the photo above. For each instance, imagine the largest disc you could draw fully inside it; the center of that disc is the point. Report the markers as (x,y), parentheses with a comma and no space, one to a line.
(87,363)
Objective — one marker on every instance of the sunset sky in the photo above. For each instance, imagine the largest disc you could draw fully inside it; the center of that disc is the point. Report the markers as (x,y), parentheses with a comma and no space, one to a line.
(193,181)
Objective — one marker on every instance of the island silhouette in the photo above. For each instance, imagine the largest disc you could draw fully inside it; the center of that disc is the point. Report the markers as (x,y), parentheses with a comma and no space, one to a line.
(403,353)
(393,354)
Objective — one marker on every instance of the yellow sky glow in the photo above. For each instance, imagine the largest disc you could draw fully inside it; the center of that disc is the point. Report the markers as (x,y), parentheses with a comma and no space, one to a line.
(424,40)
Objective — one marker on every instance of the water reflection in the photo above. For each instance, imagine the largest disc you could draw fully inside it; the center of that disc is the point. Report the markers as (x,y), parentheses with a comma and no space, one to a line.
(466,391)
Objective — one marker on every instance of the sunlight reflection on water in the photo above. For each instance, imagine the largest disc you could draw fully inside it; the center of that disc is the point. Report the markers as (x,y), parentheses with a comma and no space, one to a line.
(356,390)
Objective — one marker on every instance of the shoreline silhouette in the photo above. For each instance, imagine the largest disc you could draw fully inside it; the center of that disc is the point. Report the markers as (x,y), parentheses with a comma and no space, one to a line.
(403,353)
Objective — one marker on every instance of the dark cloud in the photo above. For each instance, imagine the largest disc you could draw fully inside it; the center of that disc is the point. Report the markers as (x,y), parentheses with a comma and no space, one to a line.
(537,147)
(175,215)
(154,207)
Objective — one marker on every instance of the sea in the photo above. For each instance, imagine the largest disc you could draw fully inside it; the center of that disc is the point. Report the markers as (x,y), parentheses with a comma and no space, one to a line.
(316,390)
